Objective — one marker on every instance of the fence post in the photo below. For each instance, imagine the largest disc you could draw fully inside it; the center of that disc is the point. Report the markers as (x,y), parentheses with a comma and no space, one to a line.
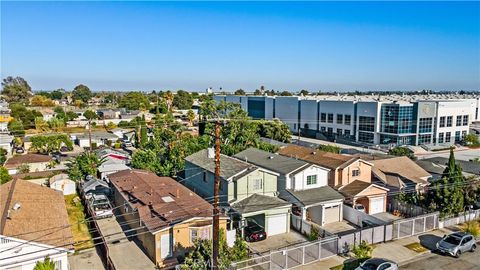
(320,250)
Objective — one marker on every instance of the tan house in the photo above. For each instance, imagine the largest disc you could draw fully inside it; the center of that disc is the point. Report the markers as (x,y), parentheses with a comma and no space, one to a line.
(35,163)
(350,175)
(400,173)
(173,216)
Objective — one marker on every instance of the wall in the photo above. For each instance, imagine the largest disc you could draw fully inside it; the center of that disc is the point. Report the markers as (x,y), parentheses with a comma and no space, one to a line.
(66,186)
(300,179)
(244,185)
(453,108)
(309,114)
(286,109)
(337,107)
(369,109)
(195,182)
(346,174)
(356,217)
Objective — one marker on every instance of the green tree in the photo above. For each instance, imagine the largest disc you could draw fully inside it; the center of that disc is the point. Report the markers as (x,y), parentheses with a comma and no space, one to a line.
(71,115)
(402,151)
(60,113)
(182,100)
(190,117)
(447,194)
(363,250)
(56,124)
(3,156)
(41,124)
(90,115)
(16,128)
(84,164)
(240,92)
(330,148)
(304,92)
(143,136)
(257,92)
(146,160)
(82,93)
(16,89)
(20,112)
(134,101)
(285,94)
(24,168)
(276,130)
(57,94)
(46,264)
(4,176)
(472,139)
(46,144)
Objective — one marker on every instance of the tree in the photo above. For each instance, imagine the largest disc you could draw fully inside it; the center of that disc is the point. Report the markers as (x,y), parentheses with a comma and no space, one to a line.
(24,168)
(143,136)
(20,112)
(71,115)
(4,176)
(402,151)
(472,140)
(257,92)
(447,194)
(134,101)
(168,96)
(240,92)
(90,115)
(16,90)
(46,144)
(57,94)
(190,117)
(41,101)
(56,124)
(16,128)
(41,125)
(83,165)
(276,130)
(46,264)
(363,250)
(81,93)
(3,156)
(182,100)
(285,93)
(146,160)
(304,92)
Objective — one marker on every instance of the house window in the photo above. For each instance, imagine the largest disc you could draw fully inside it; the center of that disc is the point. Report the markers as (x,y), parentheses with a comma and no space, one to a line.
(449,121)
(257,184)
(442,121)
(330,118)
(200,233)
(440,137)
(465,120)
(356,172)
(311,180)
(448,135)
(348,119)
(459,120)
(340,119)
(205,177)
(323,117)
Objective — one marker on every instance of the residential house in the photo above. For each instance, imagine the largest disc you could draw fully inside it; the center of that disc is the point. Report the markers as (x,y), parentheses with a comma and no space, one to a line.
(34,225)
(173,215)
(62,182)
(35,162)
(125,115)
(246,190)
(121,133)
(114,161)
(347,173)
(98,137)
(399,173)
(303,184)
(108,114)
(436,165)
(47,114)
(4,128)
(6,142)
(95,186)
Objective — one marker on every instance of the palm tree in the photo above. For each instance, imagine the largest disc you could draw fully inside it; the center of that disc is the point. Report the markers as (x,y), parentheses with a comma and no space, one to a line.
(168,99)
(46,264)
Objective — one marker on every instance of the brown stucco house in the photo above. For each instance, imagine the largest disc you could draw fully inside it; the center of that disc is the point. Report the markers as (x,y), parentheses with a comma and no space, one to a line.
(173,216)
(351,175)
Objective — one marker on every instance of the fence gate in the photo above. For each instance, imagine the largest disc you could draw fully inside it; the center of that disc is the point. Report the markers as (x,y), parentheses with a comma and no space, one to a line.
(413,226)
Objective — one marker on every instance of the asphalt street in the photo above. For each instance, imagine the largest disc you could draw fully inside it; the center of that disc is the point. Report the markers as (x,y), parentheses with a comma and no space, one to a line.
(468,261)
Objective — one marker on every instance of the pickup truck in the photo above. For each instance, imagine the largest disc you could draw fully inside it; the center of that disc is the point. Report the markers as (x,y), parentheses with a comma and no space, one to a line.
(100,206)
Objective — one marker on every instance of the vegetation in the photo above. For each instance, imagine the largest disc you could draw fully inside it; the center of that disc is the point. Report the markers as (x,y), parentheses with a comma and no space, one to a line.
(276,130)
(3,156)
(55,94)
(240,92)
(199,258)
(16,128)
(4,176)
(24,168)
(41,101)
(79,226)
(46,144)
(363,250)
(134,101)
(21,113)
(90,115)
(191,117)
(472,140)
(16,90)
(402,151)
(46,264)
(330,148)
(83,165)
(314,234)
(81,93)
(472,227)
(182,100)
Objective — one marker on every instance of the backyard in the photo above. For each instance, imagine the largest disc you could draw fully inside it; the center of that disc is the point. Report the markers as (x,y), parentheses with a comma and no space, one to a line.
(76,216)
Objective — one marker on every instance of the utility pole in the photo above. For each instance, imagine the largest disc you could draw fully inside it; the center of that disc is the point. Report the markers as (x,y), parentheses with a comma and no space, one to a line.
(216,211)
(90,134)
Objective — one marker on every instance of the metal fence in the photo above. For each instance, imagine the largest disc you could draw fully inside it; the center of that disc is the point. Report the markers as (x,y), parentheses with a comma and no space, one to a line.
(416,225)
(372,235)
(460,218)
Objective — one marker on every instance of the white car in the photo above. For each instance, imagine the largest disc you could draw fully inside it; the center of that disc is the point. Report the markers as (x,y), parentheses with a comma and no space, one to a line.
(377,264)
(100,206)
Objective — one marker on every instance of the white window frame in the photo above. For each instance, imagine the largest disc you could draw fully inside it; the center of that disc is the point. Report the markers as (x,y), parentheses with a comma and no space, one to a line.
(257,184)
(312,181)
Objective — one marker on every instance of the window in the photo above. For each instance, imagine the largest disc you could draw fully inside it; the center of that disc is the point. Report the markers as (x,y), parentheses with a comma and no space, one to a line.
(425,139)
(340,119)
(457,136)
(459,121)
(330,118)
(347,132)
(323,117)
(440,137)
(339,131)
(199,233)
(425,125)
(465,120)
(323,129)
(205,177)
(348,119)
(366,123)
(356,172)
(294,126)
(330,131)
(57,265)
(449,121)
(365,137)
(442,121)
(257,184)
(448,135)
(311,180)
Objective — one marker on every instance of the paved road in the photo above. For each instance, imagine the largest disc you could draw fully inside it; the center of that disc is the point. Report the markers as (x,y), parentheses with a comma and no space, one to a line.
(468,261)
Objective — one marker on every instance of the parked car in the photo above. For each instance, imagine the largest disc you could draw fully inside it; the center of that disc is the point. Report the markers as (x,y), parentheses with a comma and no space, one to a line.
(457,243)
(100,206)
(254,232)
(378,264)
(359,207)
(20,150)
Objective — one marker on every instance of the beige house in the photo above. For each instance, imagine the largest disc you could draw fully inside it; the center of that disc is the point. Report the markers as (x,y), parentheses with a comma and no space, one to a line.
(400,173)
(172,215)
(35,163)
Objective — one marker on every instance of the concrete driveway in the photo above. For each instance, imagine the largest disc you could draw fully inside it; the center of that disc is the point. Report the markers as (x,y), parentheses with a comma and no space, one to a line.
(277,242)
(339,226)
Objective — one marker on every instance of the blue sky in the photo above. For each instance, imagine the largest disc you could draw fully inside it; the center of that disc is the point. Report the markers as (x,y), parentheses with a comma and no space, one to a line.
(336,46)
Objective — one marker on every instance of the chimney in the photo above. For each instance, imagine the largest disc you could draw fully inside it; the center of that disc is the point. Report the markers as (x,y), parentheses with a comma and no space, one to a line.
(210,153)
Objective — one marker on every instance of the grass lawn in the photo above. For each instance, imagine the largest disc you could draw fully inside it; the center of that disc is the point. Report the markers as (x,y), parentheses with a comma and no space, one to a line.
(416,247)
(76,214)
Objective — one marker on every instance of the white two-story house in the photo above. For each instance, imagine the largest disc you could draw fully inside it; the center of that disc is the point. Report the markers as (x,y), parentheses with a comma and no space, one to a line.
(302,184)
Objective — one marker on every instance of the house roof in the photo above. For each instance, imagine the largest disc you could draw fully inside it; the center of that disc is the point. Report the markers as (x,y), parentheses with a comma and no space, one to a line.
(258,202)
(92,184)
(356,187)
(316,195)
(97,135)
(41,217)
(229,166)
(161,201)
(402,167)
(467,166)
(108,151)
(315,156)
(270,161)
(18,160)
(109,167)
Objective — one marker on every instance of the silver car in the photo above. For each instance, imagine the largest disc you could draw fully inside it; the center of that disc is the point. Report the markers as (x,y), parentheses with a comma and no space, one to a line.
(378,264)
(457,243)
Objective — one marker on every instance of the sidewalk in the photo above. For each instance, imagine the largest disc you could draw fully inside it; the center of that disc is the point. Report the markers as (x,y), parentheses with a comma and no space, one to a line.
(393,250)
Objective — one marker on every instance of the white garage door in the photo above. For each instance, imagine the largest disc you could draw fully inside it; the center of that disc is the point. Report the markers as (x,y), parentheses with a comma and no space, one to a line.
(376,205)
(276,224)
(332,214)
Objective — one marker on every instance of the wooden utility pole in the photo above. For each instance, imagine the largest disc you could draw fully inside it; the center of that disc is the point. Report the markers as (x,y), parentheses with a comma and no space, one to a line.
(216,211)
(90,134)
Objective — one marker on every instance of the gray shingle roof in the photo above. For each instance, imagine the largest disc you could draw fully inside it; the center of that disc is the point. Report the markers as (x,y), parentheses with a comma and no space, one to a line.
(229,166)
(270,161)
(467,166)
(316,195)
(258,202)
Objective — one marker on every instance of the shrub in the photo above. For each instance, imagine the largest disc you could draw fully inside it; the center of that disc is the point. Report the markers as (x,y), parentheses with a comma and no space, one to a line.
(313,235)
(362,251)
(472,227)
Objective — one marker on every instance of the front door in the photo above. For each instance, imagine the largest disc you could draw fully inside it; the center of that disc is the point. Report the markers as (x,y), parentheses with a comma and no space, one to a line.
(165,246)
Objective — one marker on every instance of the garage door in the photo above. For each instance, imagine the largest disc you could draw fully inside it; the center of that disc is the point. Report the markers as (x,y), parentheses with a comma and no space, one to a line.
(376,205)
(277,224)
(332,214)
